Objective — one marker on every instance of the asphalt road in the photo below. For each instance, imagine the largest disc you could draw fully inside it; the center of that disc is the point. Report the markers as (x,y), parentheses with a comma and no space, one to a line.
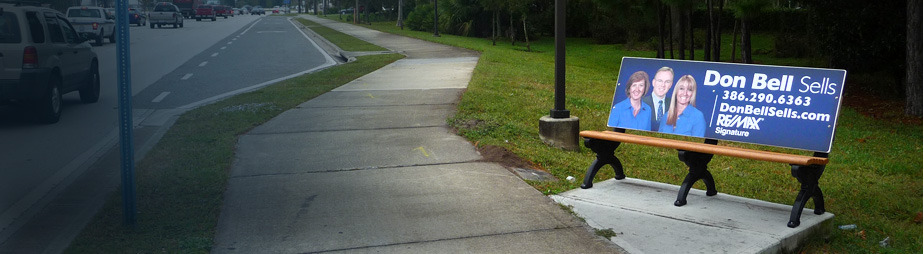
(172,70)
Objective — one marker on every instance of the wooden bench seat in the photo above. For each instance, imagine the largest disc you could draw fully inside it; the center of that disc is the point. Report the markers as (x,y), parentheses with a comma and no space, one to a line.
(706,148)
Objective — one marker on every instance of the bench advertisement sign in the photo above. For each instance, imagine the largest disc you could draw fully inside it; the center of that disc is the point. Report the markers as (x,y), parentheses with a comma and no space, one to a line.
(768,105)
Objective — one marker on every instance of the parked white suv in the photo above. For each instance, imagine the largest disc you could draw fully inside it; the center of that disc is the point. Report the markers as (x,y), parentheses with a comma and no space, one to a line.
(97,22)
(41,58)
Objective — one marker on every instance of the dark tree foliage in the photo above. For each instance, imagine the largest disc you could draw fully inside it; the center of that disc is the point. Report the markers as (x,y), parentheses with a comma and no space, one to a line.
(860,35)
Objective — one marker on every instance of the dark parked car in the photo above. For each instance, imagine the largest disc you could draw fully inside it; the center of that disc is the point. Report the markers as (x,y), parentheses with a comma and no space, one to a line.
(137,17)
(257,10)
(34,68)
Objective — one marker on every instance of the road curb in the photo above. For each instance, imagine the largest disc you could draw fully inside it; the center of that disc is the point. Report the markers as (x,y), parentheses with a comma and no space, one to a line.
(330,48)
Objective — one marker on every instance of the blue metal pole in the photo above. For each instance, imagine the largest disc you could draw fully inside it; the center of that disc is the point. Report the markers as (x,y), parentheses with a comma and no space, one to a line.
(125,112)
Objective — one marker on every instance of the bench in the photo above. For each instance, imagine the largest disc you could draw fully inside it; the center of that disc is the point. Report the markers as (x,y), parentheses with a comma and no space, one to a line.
(781,125)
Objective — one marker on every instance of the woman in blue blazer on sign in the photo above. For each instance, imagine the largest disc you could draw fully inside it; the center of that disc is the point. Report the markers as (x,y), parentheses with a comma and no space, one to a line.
(631,113)
(683,118)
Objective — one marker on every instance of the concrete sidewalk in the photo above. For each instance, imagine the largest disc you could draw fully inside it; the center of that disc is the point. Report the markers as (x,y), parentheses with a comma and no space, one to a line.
(373,167)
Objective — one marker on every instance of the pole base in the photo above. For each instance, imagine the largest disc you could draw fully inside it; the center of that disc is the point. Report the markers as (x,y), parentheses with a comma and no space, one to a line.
(560,132)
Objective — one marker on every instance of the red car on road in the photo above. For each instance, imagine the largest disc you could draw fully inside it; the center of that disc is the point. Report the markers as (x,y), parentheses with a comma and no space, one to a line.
(224,11)
(205,12)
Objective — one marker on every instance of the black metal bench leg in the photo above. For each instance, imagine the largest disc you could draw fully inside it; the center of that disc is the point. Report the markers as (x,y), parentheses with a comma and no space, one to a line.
(698,163)
(605,151)
(808,178)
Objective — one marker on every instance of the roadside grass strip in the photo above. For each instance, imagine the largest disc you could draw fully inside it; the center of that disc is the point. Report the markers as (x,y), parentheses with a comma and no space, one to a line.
(180,183)
(342,40)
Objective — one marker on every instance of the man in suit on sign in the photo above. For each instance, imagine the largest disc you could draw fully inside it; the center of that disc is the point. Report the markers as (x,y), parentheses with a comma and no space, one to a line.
(658,100)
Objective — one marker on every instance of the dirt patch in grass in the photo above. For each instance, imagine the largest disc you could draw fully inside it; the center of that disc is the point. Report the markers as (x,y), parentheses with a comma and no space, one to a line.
(889,110)
(505,157)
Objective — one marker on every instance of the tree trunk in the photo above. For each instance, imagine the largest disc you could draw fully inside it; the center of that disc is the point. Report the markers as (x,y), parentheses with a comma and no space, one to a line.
(913,59)
(689,21)
(670,32)
(366,14)
(707,46)
(660,29)
(717,53)
(355,11)
(513,32)
(494,29)
(746,42)
(734,41)
(682,37)
(526,34)
(401,14)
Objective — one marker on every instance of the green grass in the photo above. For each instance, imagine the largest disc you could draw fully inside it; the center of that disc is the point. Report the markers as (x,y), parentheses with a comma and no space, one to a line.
(342,40)
(180,183)
(873,180)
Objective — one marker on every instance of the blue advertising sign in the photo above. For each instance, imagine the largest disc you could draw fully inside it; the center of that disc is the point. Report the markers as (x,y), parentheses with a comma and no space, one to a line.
(769,105)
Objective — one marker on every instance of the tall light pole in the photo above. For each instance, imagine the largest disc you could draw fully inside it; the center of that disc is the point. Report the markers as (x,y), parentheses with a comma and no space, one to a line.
(559,111)
(560,128)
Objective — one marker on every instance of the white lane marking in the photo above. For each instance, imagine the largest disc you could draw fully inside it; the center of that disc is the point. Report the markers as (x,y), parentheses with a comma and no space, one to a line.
(215,54)
(330,62)
(187,76)
(229,43)
(251,26)
(203,63)
(160,97)
(224,47)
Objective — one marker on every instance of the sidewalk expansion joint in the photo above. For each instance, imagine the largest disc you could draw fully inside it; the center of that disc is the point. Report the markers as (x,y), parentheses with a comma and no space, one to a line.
(446,239)
(358,169)
(640,211)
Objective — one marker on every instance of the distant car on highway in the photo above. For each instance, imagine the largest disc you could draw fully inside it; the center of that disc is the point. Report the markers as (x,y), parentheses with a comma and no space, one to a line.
(93,21)
(137,17)
(223,11)
(205,12)
(34,70)
(257,10)
(165,13)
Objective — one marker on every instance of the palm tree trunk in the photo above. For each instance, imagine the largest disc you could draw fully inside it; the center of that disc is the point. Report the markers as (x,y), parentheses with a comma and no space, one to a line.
(913,58)
(401,14)
(717,53)
(681,39)
(512,32)
(707,47)
(670,32)
(734,41)
(746,42)
(689,19)
(494,29)
(660,29)
(526,34)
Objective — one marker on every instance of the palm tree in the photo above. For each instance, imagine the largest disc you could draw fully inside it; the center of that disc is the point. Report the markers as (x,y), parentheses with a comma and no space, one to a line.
(494,7)
(683,10)
(746,10)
